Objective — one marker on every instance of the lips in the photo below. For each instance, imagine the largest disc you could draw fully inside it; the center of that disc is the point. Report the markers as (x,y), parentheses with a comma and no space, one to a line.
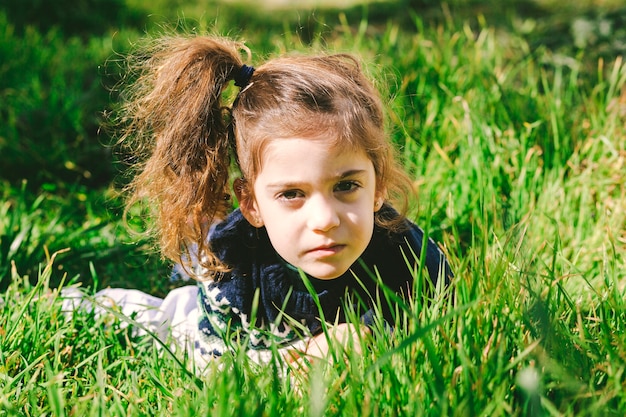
(327,250)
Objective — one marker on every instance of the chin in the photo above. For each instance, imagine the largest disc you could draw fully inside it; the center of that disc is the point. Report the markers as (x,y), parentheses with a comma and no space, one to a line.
(326,273)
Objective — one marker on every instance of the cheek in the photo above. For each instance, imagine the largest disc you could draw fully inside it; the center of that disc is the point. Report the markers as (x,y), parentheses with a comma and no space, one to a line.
(283,239)
(279,226)
(362,224)
(368,228)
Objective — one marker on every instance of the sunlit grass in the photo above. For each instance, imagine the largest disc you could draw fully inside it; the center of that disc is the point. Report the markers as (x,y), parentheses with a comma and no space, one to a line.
(519,163)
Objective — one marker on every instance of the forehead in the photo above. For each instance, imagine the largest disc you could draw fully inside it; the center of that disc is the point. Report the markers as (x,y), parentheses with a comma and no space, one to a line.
(327,144)
(258,138)
(319,157)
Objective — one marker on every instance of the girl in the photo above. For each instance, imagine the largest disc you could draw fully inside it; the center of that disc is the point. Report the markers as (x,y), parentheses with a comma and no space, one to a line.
(315,173)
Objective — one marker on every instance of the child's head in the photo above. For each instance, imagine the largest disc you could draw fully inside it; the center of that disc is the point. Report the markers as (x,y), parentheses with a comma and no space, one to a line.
(323,104)
(312,97)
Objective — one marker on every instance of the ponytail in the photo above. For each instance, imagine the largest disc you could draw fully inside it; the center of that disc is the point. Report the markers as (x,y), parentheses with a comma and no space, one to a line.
(179,129)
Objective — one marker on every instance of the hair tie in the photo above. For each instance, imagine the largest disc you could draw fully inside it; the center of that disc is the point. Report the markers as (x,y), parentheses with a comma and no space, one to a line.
(242,77)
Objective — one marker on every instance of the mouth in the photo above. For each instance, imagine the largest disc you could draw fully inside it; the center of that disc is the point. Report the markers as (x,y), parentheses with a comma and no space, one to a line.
(327,250)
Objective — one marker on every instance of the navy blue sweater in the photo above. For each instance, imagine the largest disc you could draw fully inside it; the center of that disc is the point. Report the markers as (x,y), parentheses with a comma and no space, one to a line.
(227,300)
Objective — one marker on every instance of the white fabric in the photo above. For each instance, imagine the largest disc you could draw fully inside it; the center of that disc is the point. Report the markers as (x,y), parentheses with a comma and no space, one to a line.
(173,320)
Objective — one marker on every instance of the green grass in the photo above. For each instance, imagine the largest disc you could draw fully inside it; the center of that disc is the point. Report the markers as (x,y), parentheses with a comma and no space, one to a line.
(519,157)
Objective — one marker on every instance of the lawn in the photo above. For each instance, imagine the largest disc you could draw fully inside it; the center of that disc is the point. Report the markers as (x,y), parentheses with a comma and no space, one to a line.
(510,117)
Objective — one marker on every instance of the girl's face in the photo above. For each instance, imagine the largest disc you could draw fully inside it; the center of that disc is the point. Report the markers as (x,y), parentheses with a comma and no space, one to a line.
(316,202)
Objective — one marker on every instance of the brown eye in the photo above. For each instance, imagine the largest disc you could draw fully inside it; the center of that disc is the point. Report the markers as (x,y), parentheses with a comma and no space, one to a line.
(346,186)
(290,195)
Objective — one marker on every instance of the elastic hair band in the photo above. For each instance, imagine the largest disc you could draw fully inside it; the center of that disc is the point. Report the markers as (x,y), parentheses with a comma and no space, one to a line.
(242,77)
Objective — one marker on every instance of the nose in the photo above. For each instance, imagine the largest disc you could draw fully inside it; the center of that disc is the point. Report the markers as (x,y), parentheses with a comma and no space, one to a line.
(322,214)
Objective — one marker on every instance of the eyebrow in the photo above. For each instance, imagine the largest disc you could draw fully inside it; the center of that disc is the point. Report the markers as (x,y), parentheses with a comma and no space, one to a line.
(295,184)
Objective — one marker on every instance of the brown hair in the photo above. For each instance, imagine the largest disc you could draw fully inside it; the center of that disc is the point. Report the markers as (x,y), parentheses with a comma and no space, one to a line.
(176,121)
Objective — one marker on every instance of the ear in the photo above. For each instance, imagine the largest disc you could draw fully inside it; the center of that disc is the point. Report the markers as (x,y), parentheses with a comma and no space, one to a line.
(247,202)
(379,198)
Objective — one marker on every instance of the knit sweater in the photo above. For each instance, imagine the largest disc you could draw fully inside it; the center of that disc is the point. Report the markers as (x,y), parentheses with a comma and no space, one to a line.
(263,300)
